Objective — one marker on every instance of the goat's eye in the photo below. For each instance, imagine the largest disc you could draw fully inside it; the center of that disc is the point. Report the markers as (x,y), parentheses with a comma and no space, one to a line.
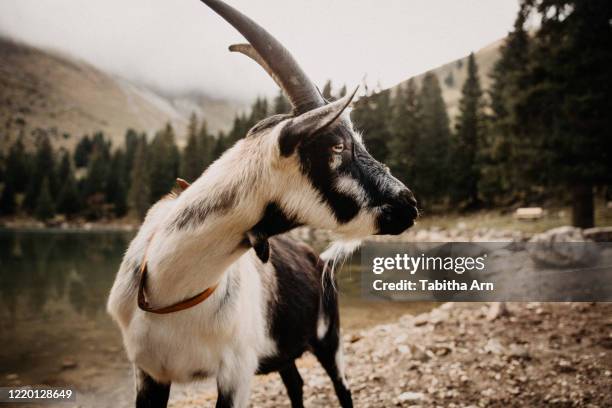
(338,148)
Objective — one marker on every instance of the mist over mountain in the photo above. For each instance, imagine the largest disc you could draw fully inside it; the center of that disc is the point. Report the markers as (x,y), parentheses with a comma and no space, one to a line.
(46,91)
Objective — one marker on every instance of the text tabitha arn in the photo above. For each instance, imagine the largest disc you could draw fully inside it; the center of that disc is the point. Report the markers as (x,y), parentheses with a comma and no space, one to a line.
(429,285)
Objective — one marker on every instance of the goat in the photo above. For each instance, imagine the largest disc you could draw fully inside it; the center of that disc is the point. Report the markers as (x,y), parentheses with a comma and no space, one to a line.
(267,298)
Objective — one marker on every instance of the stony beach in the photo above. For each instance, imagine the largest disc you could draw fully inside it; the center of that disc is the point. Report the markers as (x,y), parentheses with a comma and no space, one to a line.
(458,355)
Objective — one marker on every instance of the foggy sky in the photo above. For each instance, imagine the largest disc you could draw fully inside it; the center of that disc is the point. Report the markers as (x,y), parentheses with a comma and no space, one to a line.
(181,44)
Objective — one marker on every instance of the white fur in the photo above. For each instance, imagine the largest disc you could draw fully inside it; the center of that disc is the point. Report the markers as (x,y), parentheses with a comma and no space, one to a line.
(340,363)
(322,325)
(352,188)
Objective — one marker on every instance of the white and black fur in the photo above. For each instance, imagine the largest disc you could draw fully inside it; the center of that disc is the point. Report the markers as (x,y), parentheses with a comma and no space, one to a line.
(272,301)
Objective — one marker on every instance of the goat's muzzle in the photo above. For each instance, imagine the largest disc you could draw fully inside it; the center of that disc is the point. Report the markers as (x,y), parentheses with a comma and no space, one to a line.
(398,215)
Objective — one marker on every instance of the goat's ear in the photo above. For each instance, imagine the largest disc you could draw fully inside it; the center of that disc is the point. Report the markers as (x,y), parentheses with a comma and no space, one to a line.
(260,244)
(311,123)
(182,184)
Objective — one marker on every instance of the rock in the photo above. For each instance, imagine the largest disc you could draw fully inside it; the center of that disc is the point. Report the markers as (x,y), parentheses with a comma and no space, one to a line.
(421,320)
(518,351)
(403,349)
(493,346)
(563,247)
(441,351)
(409,396)
(564,366)
(497,310)
(599,234)
(69,364)
(529,213)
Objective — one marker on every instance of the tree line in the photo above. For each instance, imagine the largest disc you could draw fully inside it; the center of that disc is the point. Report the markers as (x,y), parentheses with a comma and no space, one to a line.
(541,132)
(98,180)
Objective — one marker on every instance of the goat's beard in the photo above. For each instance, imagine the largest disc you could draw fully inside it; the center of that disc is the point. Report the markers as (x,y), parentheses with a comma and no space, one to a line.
(335,255)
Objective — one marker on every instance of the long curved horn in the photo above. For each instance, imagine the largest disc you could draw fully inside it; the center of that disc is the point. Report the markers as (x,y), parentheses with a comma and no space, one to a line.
(249,51)
(281,65)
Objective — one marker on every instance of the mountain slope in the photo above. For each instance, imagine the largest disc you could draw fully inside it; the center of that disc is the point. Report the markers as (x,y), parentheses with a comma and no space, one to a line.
(46,91)
(457,70)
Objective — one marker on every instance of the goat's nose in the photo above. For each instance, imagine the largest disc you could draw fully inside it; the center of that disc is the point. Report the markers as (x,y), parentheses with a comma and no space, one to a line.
(407,196)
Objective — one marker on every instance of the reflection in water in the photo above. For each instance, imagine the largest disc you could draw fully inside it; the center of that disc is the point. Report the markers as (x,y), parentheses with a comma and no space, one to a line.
(74,269)
(53,289)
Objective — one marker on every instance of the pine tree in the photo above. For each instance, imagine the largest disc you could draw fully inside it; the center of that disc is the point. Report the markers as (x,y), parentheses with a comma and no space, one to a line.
(101,146)
(117,184)
(43,166)
(69,200)
(64,168)
(501,180)
(18,165)
(220,145)
(97,174)
(82,152)
(8,203)
(191,163)
(259,111)
(44,209)
(132,139)
(2,167)
(372,114)
(563,100)
(405,130)
(466,144)
(205,147)
(432,152)
(139,196)
(238,131)
(281,104)
(164,161)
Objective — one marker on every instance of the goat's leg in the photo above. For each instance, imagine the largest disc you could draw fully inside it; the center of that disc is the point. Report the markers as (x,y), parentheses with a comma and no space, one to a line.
(293,382)
(225,398)
(234,380)
(150,393)
(328,351)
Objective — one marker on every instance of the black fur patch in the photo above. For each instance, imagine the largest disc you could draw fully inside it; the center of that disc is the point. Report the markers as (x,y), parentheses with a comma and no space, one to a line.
(196,213)
(274,221)
(287,143)
(150,393)
(315,156)
(225,399)
(294,309)
(260,244)
(266,124)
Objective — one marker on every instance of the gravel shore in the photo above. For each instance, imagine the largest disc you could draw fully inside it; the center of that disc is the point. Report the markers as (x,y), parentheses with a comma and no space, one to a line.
(549,354)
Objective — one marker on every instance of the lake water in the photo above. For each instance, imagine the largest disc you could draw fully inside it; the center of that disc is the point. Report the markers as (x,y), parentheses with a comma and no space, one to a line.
(54,329)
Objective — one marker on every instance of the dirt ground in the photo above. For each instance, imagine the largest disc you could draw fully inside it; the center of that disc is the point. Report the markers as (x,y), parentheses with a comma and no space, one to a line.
(541,355)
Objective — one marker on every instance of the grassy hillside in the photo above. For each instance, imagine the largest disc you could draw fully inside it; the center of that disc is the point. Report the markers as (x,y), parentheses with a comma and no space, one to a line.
(457,70)
(42,90)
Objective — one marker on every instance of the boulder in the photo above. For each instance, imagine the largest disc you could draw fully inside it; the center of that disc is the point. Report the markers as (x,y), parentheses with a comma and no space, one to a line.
(563,247)
(599,234)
